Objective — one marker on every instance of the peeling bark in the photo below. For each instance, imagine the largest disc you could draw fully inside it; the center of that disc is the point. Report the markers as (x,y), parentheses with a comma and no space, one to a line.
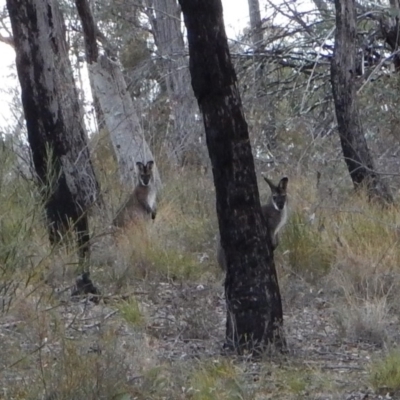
(121,119)
(116,104)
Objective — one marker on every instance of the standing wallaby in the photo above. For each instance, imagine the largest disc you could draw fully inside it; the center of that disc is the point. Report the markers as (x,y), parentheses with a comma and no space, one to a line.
(142,202)
(274,212)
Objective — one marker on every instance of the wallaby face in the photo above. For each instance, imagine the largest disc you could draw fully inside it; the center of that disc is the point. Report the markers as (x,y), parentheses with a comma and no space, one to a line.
(274,212)
(145,172)
(278,193)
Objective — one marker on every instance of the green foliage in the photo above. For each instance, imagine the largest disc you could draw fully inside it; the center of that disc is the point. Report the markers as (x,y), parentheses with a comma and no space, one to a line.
(219,379)
(130,311)
(20,214)
(297,381)
(384,374)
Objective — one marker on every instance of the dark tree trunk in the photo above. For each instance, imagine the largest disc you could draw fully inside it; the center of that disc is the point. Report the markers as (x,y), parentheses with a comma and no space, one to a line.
(354,145)
(91,52)
(254,316)
(53,116)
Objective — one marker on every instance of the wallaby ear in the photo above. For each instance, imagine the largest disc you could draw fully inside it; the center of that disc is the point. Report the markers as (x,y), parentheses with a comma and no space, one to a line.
(270,183)
(283,183)
(150,164)
(140,165)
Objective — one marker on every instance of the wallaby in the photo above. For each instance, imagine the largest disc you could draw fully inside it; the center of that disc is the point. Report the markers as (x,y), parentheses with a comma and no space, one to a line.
(274,212)
(142,202)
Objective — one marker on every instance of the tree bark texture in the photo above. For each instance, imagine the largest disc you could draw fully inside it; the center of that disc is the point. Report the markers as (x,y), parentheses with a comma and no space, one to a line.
(166,23)
(390,30)
(254,310)
(121,119)
(261,77)
(53,116)
(255,23)
(354,145)
(116,104)
(91,51)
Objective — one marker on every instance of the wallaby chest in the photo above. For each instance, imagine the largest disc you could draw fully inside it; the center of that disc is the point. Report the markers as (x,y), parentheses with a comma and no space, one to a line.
(275,219)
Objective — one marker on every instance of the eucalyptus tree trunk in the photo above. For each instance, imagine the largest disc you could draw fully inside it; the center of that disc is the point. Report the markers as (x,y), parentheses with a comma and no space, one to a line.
(267,106)
(165,20)
(116,104)
(53,116)
(91,53)
(256,39)
(343,73)
(255,23)
(254,310)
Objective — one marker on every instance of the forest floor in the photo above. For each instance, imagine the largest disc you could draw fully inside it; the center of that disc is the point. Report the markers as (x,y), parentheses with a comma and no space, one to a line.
(172,348)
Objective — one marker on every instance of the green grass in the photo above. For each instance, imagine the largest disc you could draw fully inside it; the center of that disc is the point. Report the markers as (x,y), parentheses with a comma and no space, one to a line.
(384,374)
(130,311)
(219,379)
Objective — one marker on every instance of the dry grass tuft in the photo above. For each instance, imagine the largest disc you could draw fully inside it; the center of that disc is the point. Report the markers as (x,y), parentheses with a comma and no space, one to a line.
(365,321)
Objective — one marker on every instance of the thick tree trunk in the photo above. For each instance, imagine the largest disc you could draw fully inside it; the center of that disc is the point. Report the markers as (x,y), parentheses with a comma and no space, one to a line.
(116,104)
(121,119)
(254,315)
(53,116)
(166,23)
(354,145)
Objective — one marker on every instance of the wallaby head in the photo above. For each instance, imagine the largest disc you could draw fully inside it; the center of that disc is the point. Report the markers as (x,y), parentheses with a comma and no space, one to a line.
(275,214)
(278,193)
(145,172)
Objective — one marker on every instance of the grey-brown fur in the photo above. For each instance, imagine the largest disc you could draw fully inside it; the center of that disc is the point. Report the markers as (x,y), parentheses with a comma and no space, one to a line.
(142,202)
(274,212)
